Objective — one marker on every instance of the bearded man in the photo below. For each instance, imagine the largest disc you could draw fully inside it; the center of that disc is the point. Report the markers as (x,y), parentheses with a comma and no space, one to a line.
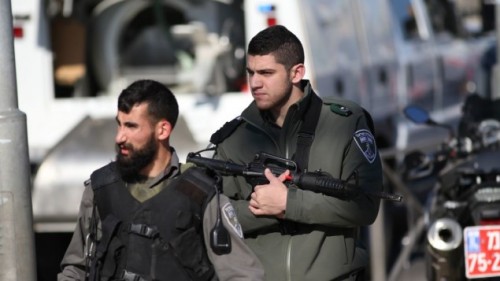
(147,217)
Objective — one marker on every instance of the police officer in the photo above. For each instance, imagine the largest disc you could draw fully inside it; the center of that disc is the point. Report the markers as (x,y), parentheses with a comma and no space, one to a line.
(142,217)
(299,234)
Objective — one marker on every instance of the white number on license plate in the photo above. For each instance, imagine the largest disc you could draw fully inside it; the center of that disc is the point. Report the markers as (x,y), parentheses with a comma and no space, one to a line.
(482,251)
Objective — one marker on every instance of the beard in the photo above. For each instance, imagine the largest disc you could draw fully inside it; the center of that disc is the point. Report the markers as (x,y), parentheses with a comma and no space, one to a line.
(280,99)
(286,96)
(129,167)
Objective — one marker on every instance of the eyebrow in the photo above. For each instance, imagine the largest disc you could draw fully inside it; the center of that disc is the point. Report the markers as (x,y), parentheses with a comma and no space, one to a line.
(264,70)
(126,123)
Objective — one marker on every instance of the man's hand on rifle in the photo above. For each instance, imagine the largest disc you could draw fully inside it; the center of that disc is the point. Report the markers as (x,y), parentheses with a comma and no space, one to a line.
(270,199)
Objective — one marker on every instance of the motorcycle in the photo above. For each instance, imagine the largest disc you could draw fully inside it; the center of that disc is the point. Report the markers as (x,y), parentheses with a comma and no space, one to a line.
(462,212)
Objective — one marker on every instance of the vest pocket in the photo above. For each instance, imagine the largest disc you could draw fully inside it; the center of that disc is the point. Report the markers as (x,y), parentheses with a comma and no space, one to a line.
(190,252)
(111,262)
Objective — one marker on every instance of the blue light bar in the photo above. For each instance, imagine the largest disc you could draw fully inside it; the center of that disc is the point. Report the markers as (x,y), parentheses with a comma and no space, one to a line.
(266,8)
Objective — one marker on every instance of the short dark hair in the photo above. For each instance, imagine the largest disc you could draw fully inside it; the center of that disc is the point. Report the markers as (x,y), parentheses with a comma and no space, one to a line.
(280,42)
(161,101)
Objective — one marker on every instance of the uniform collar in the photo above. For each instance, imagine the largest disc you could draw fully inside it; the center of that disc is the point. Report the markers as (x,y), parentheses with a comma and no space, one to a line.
(171,171)
(303,104)
(173,168)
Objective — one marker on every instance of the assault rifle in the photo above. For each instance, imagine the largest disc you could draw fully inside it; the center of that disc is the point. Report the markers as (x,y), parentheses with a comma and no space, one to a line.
(318,181)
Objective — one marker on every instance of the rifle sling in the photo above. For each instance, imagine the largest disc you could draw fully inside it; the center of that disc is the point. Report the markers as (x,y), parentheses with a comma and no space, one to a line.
(306,133)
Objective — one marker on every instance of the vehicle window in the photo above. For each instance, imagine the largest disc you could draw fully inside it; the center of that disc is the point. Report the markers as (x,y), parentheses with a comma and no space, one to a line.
(443,18)
(487,15)
(404,12)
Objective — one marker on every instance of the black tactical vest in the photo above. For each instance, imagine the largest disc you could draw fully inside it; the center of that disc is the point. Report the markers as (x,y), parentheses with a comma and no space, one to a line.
(158,239)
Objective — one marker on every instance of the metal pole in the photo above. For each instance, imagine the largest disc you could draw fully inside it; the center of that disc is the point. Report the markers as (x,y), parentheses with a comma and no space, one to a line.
(378,255)
(404,256)
(496,69)
(17,251)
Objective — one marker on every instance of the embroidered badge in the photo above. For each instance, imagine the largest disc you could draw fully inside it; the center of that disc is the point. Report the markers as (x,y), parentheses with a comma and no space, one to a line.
(340,109)
(366,143)
(230,215)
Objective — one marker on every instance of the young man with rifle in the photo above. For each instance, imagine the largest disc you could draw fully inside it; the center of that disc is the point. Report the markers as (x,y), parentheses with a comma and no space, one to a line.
(300,234)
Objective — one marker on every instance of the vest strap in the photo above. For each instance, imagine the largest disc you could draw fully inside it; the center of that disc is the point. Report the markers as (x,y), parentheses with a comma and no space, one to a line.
(109,226)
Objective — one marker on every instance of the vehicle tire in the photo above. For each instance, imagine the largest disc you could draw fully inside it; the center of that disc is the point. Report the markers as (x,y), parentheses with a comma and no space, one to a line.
(108,29)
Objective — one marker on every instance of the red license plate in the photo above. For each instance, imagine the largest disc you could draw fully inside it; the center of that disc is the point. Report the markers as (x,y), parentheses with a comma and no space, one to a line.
(482,251)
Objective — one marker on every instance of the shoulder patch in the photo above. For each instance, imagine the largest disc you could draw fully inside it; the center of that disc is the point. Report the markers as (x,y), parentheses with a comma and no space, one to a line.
(366,143)
(231,219)
(340,109)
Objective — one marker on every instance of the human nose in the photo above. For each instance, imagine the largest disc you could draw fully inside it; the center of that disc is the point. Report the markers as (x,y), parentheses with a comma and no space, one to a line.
(254,81)
(120,135)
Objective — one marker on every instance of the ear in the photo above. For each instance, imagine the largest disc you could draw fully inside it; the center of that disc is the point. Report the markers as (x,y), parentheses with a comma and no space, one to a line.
(297,72)
(163,129)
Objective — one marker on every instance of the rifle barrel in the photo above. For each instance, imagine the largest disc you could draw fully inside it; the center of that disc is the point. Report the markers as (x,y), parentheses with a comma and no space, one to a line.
(224,167)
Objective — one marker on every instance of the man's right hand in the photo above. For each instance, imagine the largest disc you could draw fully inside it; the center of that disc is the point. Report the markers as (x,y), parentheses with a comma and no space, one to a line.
(270,199)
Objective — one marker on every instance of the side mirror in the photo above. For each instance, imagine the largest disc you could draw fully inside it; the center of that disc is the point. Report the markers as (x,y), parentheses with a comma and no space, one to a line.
(417,114)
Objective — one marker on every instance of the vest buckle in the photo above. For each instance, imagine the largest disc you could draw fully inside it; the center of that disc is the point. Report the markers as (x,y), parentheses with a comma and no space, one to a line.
(131,276)
(143,230)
